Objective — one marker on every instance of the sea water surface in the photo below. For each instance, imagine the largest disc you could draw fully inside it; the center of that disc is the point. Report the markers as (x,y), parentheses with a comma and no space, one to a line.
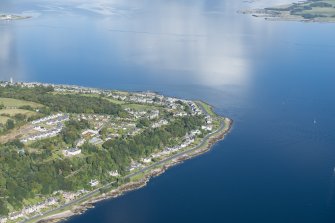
(275,79)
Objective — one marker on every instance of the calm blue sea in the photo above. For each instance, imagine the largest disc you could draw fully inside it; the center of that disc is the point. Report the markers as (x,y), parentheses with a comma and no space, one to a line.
(275,79)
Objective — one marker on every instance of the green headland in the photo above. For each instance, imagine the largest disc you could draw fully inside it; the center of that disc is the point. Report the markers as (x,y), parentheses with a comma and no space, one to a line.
(63,147)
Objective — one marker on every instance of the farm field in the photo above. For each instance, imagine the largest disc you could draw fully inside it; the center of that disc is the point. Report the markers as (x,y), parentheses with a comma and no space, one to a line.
(14,103)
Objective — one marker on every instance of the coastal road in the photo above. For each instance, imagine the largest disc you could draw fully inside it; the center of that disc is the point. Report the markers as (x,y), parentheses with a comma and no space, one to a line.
(203,142)
(97,191)
(65,206)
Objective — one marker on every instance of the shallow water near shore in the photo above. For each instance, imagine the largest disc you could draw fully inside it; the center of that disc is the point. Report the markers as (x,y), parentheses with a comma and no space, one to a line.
(275,79)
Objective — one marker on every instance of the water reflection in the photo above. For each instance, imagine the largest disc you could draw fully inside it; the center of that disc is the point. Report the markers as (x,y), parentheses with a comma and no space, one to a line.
(195,40)
(174,45)
(8,55)
(187,41)
(204,43)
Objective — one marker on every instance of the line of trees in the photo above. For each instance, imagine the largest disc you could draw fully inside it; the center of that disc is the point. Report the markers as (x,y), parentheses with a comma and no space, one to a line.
(70,103)
(24,175)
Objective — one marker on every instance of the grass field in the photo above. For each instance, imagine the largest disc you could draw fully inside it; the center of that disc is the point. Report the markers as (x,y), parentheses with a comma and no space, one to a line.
(207,107)
(115,101)
(139,107)
(94,96)
(3,119)
(15,111)
(11,103)
(12,108)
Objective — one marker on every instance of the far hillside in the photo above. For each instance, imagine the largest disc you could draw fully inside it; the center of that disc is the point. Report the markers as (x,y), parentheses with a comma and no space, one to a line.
(306,11)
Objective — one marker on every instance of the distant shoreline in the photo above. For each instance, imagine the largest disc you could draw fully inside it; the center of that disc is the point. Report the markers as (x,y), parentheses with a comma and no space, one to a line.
(306,11)
(10,17)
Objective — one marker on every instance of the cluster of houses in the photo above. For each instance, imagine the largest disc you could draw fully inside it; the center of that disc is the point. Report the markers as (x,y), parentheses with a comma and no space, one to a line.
(124,125)
(153,114)
(52,125)
(47,127)
(180,114)
(160,123)
(96,120)
(209,122)
(57,87)
(118,96)
(96,140)
(69,196)
(188,140)
(130,132)
(76,89)
(94,117)
(195,110)
(207,127)
(52,119)
(136,114)
(92,136)
(135,165)
(136,97)
(30,210)
(44,134)
(89,133)
(150,98)
(141,97)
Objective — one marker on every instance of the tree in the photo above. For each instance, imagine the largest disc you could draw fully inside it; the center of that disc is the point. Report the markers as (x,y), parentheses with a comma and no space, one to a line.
(20,117)
(10,124)
(3,208)
(103,132)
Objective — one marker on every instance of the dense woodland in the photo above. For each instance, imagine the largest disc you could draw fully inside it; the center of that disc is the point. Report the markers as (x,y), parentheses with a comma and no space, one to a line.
(70,103)
(26,174)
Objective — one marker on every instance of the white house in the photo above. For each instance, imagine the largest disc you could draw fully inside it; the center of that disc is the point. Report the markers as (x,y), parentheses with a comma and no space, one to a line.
(71,152)
(90,132)
(146,160)
(40,128)
(114,173)
(94,183)
(208,128)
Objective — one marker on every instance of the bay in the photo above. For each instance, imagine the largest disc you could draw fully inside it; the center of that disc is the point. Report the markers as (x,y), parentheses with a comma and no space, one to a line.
(275,79)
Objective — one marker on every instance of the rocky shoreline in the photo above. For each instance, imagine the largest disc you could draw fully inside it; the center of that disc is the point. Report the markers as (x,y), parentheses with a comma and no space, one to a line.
(83,207)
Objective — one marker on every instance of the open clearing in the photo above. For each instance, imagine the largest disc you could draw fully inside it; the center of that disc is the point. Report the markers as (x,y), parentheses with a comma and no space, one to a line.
(14,103)
(3,119)
(14,111)
(139,107)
